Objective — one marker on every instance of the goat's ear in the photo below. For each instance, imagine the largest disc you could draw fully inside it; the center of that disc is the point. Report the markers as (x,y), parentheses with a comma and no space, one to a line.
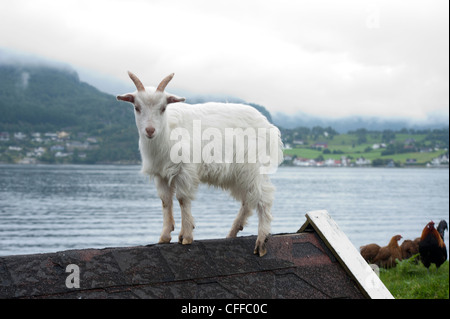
(174,99)
(126,98)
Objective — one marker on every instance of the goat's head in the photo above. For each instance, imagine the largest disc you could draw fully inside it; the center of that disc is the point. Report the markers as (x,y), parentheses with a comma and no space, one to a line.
(149,106)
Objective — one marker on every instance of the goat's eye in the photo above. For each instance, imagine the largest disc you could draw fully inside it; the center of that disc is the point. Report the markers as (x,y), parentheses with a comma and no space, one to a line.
(163,109)
(137,109)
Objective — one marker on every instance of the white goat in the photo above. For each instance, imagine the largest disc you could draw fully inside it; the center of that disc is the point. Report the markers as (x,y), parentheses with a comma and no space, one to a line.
(160,127)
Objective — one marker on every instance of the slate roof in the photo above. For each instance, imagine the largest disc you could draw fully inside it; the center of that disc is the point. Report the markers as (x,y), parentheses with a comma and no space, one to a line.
(299,265)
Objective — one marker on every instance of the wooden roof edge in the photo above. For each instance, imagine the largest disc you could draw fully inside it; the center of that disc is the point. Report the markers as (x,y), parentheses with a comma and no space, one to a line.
(352,261)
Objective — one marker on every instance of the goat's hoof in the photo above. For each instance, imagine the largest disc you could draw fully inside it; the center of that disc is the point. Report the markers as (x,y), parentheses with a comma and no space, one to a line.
(187,241)
(260,248)
(261,251)
(164,240)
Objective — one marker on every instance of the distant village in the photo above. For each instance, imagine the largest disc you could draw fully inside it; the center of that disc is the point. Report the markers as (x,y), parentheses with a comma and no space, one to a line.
(36,148)
(359,162)
(65,147)
(344,161)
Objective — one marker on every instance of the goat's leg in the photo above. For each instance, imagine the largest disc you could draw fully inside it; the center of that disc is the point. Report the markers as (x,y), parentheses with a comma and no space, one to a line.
(240,221)
(265,218)
(263,207)
(168,222)
(187,222)
(166,192)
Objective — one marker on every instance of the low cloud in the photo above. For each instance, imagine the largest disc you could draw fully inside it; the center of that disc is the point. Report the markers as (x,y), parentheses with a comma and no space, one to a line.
(378,58)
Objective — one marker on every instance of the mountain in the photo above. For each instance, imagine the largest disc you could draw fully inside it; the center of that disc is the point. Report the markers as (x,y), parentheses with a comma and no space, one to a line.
(42,98)
(37,98)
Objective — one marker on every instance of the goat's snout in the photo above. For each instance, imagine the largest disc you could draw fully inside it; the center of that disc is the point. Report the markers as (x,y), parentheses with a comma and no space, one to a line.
(150,131)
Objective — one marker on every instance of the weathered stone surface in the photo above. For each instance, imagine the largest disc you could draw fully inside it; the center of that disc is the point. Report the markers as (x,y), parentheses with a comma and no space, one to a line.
(296,266)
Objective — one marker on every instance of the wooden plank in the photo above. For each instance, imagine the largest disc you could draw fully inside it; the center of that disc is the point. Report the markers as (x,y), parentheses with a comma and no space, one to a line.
(347,254)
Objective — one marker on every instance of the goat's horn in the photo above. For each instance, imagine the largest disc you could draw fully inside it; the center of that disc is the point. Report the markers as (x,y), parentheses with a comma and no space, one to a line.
(163,84)
(136,81)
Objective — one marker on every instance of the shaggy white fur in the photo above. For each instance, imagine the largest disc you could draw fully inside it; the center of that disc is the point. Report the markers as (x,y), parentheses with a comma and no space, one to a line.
(231,146)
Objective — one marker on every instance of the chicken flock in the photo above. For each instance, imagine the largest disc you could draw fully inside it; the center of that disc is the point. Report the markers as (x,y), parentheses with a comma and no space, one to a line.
(430,245)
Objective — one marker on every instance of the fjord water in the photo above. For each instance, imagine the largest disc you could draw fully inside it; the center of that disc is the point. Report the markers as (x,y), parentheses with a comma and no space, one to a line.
(48,208)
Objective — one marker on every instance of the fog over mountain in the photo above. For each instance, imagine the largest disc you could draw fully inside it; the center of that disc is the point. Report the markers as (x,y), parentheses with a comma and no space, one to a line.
(111,85)
(345,124)
(342,125)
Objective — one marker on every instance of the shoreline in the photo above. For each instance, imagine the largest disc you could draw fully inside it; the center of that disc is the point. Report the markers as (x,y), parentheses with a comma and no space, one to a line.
(281,166)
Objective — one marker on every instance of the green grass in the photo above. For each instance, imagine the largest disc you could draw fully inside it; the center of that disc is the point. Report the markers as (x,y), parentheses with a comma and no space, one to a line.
(411,280)
(422,158)
(347,144)
(303,152)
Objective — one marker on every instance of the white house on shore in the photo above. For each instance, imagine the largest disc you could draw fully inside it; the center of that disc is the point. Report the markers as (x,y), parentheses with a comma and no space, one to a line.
(362,161)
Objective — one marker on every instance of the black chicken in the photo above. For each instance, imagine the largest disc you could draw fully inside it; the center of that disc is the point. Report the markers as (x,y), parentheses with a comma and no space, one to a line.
(442,227)
(432,247)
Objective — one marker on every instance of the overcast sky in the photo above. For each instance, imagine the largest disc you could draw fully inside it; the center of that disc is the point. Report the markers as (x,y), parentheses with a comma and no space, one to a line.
(324,57)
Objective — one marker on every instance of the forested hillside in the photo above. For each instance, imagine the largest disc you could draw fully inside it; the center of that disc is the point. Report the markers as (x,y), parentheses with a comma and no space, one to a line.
(38,99)
(46,99)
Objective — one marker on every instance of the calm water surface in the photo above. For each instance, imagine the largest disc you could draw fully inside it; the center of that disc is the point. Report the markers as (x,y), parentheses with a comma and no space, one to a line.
(52,208)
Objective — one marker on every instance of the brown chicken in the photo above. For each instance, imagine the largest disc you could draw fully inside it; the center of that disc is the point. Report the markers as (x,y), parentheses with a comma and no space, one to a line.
(387,255)
(431,247)
(409,248)
(368,252)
